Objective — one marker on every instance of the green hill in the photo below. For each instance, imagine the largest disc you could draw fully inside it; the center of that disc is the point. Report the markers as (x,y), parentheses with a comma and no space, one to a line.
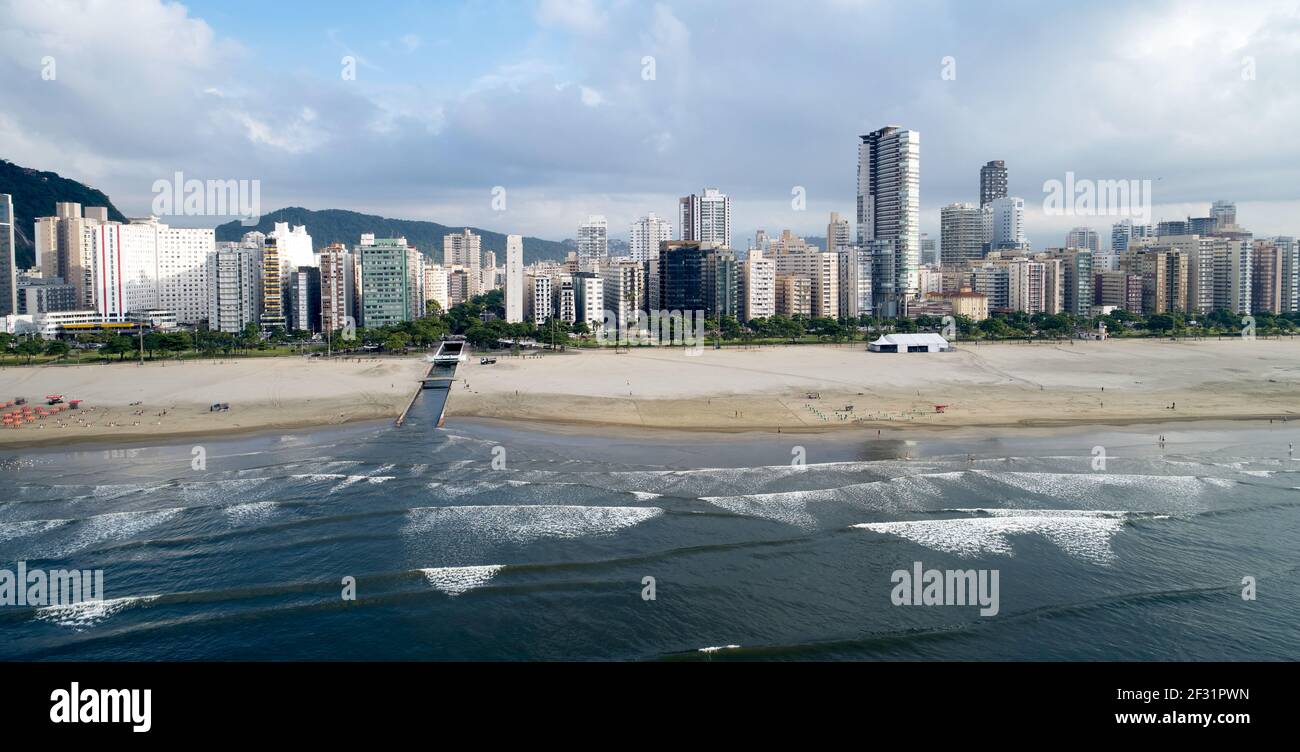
(35,194)
(340,226)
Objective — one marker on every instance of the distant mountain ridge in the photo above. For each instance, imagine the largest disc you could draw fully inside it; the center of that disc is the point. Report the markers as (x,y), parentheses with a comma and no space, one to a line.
(341,226)
(35,193)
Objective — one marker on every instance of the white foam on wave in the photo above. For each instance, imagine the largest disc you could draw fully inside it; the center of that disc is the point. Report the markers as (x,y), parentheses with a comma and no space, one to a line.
(250,513)
(81,616)
(25,528)
(646,495)
(1084,535)
(457,580)
(1097,488)
(903,493)
(524,523)
(716,648)
(112,526)
(204,491)
(1259,473)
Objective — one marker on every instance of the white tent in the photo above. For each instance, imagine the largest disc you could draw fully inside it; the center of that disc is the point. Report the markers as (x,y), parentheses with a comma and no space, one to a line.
(928,342)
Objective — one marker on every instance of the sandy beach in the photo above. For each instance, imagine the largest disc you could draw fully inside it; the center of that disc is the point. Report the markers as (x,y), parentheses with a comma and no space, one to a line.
(1117,382)
(173,397)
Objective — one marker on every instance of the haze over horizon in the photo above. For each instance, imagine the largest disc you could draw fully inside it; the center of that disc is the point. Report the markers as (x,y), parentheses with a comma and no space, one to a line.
(551,101)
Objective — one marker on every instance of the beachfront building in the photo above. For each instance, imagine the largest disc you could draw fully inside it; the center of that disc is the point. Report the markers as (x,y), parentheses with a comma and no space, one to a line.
(794,257)
(1266,277)
(699,276)
(839,234)
(414,282)
(793,295)
(437,286)
(538,303)
(1120,290)
(305,299)
(148,265)
(236,277)
(705,218)
(8,258)
(42,295)
(64,246)
(1232,267)
(514,279)
(338,293)
(624,288)
(888,214)
(294,244)
(272,313)
(1007,224)
(855,282)
(589,299)
(757,286)
(385,289)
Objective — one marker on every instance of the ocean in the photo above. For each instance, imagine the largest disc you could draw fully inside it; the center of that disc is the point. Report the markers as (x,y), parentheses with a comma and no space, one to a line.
(496,541)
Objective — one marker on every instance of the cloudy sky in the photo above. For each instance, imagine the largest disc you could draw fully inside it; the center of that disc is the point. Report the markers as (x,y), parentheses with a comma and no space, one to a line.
(551,100)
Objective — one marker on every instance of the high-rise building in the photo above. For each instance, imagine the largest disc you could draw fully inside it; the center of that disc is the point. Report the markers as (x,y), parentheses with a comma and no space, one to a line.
(855,282)
(514,279)
(385,289)
(295,246)
(1008,223)
(889,204)
(1084,238)
(993,182)
(699,276)
(838,234)
(593,241)
(272,313)
(929,250)
(538,302)
(8,258)
(1120,289)
(1224,213)
(624,288)
(146,265)
(338,293)
(1077,280)
(464,249)
(304,299)
(437,286)
(705,218)
(757,287)
(795,257)
(1232,268)
(1289,250)
(961,233)
(646,235)
(414,282)
(235,289)
(1266,283)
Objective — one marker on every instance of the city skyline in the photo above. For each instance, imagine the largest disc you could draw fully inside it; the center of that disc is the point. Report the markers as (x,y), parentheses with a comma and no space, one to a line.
(427,128)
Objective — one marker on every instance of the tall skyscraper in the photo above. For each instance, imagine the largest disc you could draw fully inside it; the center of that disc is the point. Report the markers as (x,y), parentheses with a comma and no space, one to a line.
(889,205)
(706,218)
(8,259)
(235,289)
(1224,213)
(646,235)
(993,182)
(386,290)
(1008,224)
(1083,237)
(593,240)
(961,234)
(514,279)
(464,249)
(272,311)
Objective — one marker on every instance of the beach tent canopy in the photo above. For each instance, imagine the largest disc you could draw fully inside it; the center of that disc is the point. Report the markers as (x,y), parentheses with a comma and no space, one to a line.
(926,342)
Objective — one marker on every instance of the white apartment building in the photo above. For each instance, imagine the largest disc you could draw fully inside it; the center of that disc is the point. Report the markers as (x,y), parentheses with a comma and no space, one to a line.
(758,287)
(436,286)
(855,282)
(236,289)
(514,279)
(706,218)
(593,241)
(1008,223)
(295,246)
(539,302)
(1232,268)
(465,249)
(148,265)
(623,283)
(646,234)
(839,235)
(964,229)
(889,220)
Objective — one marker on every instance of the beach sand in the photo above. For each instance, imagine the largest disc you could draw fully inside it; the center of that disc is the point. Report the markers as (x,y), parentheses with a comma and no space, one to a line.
(263,393)
(1117,382)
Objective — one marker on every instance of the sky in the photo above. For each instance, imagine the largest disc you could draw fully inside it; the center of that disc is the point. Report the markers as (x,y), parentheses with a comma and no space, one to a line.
(553,106)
